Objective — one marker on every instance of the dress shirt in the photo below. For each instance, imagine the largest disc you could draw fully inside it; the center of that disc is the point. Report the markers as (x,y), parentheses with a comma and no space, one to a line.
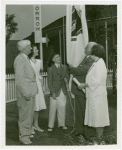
(57,65)
(26,56)
(87,56)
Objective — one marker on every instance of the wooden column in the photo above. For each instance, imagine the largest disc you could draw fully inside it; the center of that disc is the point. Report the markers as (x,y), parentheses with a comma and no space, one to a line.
(60,42)
(63,41)
(106,44)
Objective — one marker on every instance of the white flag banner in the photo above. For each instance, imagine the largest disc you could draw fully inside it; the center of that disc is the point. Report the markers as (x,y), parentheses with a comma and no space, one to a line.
(76,34)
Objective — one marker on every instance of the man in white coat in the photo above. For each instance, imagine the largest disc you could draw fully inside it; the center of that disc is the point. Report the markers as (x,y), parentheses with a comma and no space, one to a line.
(26,88)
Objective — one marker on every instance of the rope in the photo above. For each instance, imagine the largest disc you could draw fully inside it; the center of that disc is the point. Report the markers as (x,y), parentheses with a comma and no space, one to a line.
(73,109)
(73,113)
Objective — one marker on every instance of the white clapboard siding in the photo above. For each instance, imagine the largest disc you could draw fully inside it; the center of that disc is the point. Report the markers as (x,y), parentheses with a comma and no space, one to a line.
(11,86)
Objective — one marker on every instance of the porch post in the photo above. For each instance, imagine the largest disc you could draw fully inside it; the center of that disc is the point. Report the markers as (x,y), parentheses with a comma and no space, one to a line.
(60,42)
(106,43)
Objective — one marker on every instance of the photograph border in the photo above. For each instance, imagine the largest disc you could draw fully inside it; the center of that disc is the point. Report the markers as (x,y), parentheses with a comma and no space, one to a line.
(3,76)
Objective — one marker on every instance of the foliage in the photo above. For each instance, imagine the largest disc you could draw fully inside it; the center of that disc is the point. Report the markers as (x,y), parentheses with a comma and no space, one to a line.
(11,26)
(93,13)
(108,139)
(100,33)
(114,50)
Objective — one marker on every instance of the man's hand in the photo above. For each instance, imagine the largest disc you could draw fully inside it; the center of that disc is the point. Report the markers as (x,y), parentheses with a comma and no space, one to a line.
(69,66)
(43,88)
(81,86)
(53,96)
(27,98)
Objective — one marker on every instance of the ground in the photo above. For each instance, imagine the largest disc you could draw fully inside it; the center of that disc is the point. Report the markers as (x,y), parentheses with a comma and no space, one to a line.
(58,136)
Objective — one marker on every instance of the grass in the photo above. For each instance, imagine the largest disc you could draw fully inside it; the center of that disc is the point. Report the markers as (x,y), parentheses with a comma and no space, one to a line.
(58,136)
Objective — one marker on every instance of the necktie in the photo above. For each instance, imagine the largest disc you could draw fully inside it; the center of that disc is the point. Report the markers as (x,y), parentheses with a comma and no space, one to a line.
(59,68)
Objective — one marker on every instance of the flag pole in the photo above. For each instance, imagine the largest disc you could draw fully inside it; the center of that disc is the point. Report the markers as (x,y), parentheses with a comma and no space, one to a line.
(106,44)
(63,41)
(60,42)
(41,54)
(76,38)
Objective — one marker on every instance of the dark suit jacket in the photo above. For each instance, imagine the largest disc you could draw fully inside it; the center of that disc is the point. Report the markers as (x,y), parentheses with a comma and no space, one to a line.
(80,73)
(56,79)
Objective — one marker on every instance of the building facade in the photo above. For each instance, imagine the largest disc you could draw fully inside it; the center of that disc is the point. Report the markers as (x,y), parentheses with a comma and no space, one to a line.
(100,19)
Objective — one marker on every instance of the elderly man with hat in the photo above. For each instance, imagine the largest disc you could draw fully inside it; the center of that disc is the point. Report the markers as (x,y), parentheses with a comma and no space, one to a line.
(26,89)
(80,102)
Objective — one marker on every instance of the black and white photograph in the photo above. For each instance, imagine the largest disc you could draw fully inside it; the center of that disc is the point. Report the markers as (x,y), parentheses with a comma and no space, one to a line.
(61,69)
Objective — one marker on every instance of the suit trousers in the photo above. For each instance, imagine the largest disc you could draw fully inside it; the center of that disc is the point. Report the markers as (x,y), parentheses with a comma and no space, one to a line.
(58,105)
(26,112)
(79,114)
(80,106)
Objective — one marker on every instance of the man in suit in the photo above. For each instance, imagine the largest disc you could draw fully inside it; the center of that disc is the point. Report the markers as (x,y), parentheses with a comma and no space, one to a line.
(80,102)
(56,74)
(26,89)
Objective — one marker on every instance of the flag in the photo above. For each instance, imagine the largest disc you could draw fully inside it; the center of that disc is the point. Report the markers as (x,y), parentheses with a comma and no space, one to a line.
(76,34)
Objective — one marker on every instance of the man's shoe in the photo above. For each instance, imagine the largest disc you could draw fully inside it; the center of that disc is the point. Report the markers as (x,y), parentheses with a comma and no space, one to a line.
(33,132)
(25,143)
(50,129)
(102,143)
(31,136)
(38,129)
(63,127)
